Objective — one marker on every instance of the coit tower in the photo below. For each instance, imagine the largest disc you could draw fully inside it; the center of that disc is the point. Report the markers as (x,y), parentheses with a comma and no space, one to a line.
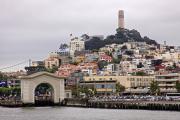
(121,19)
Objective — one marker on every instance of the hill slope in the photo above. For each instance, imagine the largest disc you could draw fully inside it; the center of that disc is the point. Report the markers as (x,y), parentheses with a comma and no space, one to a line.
(121,36)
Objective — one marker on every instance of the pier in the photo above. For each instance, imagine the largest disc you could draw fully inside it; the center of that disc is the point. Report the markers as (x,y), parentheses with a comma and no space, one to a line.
(11,103)
(124,104)
(144,105)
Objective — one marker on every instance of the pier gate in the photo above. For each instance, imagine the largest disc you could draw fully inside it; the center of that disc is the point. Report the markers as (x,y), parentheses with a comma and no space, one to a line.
(42,86)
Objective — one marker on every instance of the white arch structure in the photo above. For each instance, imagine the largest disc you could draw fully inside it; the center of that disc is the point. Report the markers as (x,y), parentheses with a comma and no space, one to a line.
(30,82)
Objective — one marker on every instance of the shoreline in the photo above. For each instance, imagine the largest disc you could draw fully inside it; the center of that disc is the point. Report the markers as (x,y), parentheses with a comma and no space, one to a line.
(136,105)
(75,106)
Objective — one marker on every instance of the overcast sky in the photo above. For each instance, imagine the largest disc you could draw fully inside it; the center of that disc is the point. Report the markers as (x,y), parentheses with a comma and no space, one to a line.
(33,28)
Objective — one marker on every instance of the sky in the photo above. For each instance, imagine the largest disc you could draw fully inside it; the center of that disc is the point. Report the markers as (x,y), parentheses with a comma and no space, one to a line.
(30,29)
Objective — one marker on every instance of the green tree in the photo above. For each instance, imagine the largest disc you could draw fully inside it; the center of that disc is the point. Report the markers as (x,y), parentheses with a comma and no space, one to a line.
(75,91)
(119,88)
(140,73)
(178,86)
(101,64)
(94,50)
(3,77)
(94,91)
(88,91)
(74,63)
(154,88)
(116,60)
(53,69)
(174,65)
(63,46)
(5,91)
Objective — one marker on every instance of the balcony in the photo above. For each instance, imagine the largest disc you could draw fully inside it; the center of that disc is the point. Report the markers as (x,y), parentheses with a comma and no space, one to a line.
(172,90)
(166,80)
(166,85)
(104,90)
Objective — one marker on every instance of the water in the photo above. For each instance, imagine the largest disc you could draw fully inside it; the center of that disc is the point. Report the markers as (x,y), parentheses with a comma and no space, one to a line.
(69,113)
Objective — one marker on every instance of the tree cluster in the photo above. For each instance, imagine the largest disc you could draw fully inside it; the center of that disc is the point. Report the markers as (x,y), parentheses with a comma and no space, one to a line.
(121,36)
(154,88)
(5,91)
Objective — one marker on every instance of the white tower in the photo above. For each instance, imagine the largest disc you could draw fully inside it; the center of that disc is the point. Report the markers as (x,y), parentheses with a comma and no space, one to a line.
(121,19)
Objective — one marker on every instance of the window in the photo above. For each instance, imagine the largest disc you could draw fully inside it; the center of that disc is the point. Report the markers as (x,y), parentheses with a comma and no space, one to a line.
(132,79)
(67,95)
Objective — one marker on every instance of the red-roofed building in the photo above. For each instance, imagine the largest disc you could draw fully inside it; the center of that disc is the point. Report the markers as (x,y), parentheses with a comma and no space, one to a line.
(66,69)
(105,58)
(89,68)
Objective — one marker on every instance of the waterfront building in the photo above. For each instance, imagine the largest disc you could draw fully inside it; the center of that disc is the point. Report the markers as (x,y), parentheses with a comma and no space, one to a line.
(167,82)
(132,84)
(13,83)
(139,84)
(102,84)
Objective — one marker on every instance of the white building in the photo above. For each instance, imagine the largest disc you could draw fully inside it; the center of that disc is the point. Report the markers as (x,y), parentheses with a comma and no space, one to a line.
(53,60)
(76,44)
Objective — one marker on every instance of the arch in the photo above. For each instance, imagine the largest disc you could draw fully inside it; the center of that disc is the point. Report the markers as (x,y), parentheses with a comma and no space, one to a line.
(44,94)
(31,82)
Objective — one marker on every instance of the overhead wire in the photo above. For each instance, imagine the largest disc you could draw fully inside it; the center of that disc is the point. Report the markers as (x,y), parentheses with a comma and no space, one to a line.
(15,65)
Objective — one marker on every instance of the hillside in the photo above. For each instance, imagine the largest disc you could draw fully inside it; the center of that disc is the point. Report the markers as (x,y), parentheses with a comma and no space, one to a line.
(121,36)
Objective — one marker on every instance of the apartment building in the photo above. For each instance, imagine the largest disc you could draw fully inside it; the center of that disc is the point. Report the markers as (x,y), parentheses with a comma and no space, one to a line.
(107,84)
(167,82)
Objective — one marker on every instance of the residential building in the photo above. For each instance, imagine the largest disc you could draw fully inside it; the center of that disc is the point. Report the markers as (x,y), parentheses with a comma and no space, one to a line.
(105,58)
(66,69)
(88,68)
(53,60)
(76,44)
(74,79)
(93,57)
(79,59)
